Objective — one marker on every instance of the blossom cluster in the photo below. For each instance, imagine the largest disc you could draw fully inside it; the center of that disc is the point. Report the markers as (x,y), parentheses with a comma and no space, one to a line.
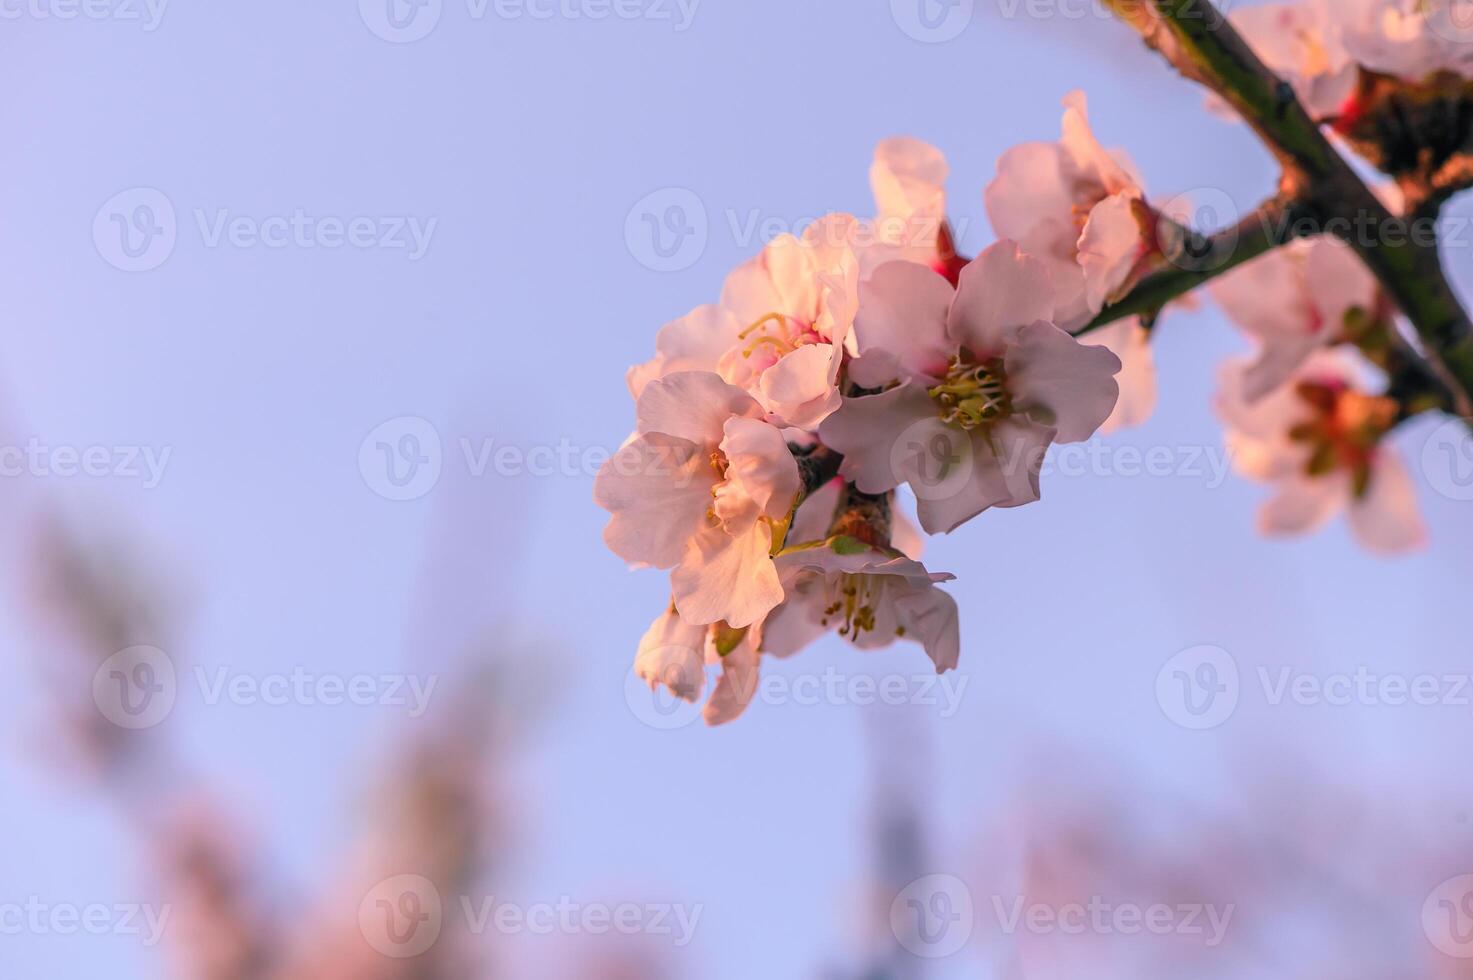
(783,432)
(1392,77)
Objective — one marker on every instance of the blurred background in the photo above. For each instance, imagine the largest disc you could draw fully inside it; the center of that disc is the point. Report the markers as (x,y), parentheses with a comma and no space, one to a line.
(316,324)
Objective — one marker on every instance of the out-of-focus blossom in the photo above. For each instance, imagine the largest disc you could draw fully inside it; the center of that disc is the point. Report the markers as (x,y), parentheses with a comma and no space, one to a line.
(781,328)
(1319,440)
(1302,43)
(987,373)
(1298,299)
(705,488)
(1411,39)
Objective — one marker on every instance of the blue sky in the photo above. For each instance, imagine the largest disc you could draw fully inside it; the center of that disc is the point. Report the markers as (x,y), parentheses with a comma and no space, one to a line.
(528,142)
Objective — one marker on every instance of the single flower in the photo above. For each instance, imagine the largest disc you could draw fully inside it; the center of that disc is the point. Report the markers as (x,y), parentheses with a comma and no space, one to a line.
(1320,441)
(983,385)
(705,487)
(1081,209)
(781,328)
(870,595)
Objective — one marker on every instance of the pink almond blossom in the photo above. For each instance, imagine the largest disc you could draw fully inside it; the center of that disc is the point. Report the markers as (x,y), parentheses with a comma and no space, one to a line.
(781,328)
(1302,42)
(704,487)
(869,595)
(1081,209)
(1320,441)
(984,383)
(1294,301)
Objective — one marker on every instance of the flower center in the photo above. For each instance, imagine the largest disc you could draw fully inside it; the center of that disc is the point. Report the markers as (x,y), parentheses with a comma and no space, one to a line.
(778,334)
(854,597)
(973,395)
(1344,431)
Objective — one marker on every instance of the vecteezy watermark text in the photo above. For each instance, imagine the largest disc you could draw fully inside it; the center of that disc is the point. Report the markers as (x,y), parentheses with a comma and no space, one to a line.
(138,688)
(404,916)
(38,459)
(36,917)
(136,230)
(147,13)
(406,21)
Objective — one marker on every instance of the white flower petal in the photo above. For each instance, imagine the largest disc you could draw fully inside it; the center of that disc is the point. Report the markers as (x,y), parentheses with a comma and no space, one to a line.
(725,578)
(1061,382)
(868,432)
(1000,292)
(692,405)
(671,653)
(658,490)
(1387,520)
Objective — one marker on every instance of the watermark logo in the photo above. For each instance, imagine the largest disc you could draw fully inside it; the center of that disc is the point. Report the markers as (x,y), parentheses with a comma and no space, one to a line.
(1451,20)
(935,458)
(401,459)
(136,688)
(1447,460)
(401,917)
(1198,688)
(400,21)
(654,703)
(667,229)
(135,230)
(932,21)
(933,916)
(1447,917)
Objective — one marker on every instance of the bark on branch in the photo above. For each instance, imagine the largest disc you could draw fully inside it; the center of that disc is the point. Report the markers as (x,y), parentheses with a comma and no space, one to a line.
(1198,41)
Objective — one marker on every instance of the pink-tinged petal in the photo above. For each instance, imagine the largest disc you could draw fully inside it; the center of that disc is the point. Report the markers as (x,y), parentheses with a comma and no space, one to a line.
(692,405)
(1303,504)
(1030,189)
(798,621)
(824,560)
(908,178)
(930,618)
(1278,360)
(760,468)
(1062,383)
(671,653)
(737,686)
(1071,295)
(727,578)
(869,432)
(790,273)
(901,326)
(1000,292)
(749,292)
(1130,342)
(816,514)
(1267,297)
(658,490)
(695,342)
(1114,241)
(1387,519)
(800,389)
(1000,469)
(835,271)
(1337,281)
(1090,161)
